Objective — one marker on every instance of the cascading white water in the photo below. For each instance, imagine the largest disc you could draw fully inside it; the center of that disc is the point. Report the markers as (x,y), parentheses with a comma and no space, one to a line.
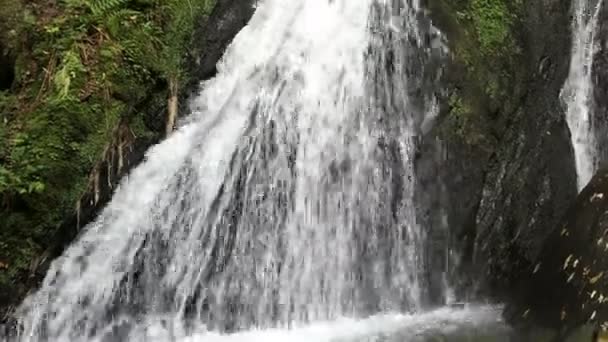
(286,197)
(577,91)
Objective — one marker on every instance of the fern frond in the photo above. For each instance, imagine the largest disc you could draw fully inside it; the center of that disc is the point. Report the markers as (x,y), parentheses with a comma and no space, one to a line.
(100,7)
(116,20)
(71,66)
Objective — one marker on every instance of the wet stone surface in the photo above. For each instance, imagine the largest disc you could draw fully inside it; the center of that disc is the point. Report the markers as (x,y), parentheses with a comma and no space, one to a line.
(567,285)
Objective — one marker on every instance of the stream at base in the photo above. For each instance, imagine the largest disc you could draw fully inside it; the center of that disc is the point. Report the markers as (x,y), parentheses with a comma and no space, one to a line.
(476,323)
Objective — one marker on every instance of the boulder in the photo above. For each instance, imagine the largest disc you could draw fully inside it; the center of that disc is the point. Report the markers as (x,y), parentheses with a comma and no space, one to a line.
(505,173)
(567,286)
(531,178)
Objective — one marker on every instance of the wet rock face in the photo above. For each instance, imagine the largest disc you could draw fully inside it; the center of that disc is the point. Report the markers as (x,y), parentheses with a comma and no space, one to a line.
(600,85)
(531,178)
(567,285)
(528,187)
(502,198)
(226,20)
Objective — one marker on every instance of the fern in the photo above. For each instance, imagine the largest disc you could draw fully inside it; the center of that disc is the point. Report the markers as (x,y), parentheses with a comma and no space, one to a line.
(117,19)
(101,7)
(71,66)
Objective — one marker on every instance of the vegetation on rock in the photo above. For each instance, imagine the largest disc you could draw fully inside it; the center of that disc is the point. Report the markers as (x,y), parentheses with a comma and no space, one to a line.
(510,168)
(83,69)
(486,67)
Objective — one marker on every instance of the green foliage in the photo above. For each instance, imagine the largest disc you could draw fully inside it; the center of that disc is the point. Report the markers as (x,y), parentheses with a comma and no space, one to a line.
(182,14)
(464,121)
(82,67)
(100,7)
(71,69)
(492,21)
(488,65)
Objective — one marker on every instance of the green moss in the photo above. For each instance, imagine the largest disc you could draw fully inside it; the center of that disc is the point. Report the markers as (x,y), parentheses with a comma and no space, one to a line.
(492,22)
(463,122)
(82,67)
(487,65)
(461,114)
(14,19)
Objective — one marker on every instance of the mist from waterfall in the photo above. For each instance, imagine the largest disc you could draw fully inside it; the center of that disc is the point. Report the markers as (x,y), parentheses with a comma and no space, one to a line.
(285,197)
(577,93)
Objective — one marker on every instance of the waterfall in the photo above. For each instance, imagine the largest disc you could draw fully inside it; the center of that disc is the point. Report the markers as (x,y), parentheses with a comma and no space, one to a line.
(285,197)
(578,89)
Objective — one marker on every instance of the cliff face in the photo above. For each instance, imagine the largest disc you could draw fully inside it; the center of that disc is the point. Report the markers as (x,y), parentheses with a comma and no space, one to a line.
(63,183)
(600,86)
(506,168)
(532,179)
(567,285)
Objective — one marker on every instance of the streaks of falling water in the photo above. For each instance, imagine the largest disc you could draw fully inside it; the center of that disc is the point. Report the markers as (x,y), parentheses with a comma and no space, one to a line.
(577,91)
(287,197)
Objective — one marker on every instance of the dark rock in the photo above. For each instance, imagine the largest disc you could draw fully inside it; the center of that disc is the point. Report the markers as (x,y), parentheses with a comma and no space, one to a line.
(599,71)
(566,287)
(529,184)
(212,38)
(7,68)
(7,295)
(450,176)
(531,177)
(503,195)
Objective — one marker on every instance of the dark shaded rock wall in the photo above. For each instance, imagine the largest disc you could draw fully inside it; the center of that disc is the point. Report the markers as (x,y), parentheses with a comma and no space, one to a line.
(228,17)
(505,190)
(567,285)
(600,86)
(531,178)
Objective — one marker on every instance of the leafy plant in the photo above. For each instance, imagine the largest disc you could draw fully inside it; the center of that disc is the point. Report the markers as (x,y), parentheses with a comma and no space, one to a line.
(83,67)
(100,7)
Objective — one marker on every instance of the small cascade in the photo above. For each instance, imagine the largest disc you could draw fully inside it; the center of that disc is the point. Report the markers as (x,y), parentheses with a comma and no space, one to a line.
(577,92)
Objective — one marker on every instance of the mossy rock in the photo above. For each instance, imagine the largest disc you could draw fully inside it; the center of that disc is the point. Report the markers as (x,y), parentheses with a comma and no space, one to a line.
(484,79)
(509,166)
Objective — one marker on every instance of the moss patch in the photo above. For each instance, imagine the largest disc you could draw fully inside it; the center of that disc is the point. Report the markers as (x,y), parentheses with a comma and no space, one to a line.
(486,77)
(492,20)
